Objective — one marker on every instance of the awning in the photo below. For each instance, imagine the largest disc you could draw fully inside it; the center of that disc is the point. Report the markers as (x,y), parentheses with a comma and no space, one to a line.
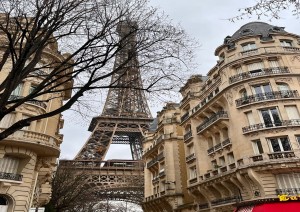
(272,207)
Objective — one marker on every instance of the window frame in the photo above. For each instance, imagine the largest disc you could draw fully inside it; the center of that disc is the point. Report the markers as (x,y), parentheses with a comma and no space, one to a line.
(279,141)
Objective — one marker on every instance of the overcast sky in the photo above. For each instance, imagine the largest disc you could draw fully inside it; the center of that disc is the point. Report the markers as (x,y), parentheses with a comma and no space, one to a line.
(206,21)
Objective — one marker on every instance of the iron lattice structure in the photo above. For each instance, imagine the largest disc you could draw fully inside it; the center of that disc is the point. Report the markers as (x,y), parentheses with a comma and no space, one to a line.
(124,118)
(126,113)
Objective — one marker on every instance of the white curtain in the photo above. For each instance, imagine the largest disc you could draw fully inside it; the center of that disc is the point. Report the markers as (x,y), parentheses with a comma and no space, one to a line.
(273,63)
(292,112)
(7,120)
(250,118)
(9,165)
(255,66)
(288,180)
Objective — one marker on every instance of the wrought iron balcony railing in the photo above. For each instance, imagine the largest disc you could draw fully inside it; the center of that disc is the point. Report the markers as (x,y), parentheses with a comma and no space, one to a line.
(32,101)
(219,146)
(190,157)
(266,96)
(10,176)
(212,119)
(188,135)
(288,191)
(185,116)
(281,155)
(282,123)
(225,200)
(263,72)
(203,206)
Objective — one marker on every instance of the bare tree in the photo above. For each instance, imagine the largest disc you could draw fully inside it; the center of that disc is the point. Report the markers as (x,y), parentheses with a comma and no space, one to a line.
(87,31)
(269,8)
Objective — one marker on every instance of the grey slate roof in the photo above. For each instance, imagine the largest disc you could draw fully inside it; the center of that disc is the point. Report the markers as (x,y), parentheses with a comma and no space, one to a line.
(253,29)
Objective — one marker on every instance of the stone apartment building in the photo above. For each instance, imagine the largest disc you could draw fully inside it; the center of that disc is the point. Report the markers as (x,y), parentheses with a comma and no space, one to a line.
(241,127)
(28,157)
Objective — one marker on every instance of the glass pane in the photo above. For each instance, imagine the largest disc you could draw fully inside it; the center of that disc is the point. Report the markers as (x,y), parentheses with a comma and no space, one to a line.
(260,149)
(275,145)
(267,88)
(276,117)
(267,118)
(285,144)
(258,90)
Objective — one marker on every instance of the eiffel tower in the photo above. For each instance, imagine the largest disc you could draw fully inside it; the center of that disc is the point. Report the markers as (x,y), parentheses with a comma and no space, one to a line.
(124,118)
(126,113)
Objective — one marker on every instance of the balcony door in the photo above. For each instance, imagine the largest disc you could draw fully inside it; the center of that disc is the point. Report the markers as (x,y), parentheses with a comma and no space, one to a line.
(263,92)
(270,117)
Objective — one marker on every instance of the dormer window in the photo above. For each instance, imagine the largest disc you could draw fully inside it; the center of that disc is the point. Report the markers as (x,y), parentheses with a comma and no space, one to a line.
(246,32)
(248,46)
(286,43)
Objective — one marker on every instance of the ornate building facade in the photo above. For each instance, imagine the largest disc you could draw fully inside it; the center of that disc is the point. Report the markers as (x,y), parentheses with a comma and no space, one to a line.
(241,127)
(28,157)
(165,171)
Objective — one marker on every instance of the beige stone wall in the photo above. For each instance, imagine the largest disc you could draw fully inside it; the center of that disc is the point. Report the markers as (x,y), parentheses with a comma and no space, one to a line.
(36,148)
(240,143)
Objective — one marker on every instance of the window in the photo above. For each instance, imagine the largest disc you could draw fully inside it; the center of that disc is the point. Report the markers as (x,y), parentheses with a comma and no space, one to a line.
(260,89)
(248,46)
(256,69)
(283,87)
(230,157)
(273,63)
(292,112)
(279,144)
(286,181)
(222,161)
(263,92)
(286,43)
(239,70)
(9,165)
(18,91)
(298,139)
(214,164)
(193,172)
(7,120)
(250,118)
(32,88)
(190,149)
(270,117)
(257,147)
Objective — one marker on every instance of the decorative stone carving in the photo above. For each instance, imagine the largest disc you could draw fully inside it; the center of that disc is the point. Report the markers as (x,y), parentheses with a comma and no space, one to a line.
(295,57)
(229,97)
(285,79)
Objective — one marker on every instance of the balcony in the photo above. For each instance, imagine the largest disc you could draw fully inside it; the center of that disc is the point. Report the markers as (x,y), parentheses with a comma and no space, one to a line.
(220,146)
(291,49)
(190,158)
(249,52)
(10,176)
(50,143)
(203,206)
(281,155)
(288,191)
(225,200)
(185,117)
(262,126)
(193,180)
(219,115)
(155,180)
(187,136)
(33,101)
(263,72)
(162,173)
(266,96)
(155,160)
